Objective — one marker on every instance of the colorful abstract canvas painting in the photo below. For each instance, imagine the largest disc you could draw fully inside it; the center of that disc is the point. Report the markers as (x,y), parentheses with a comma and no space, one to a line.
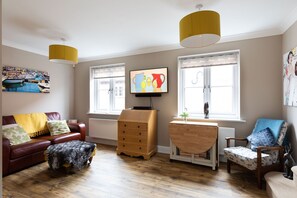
(149,80)
(18,79)
(290,78)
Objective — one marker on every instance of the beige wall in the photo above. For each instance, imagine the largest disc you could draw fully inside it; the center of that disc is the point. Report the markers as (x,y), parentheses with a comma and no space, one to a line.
(62,86)
(290,113)
(261,82)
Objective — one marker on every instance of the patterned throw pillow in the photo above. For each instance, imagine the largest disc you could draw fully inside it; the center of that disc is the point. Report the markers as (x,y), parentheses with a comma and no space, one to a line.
(15,133)
(57,127)
(261,138)
(282,134)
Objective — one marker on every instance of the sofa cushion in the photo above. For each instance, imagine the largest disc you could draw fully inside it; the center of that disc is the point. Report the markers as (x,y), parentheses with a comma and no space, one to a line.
(62,137)
(33,146)
(8,120)
(50,116)
(15,133)
(33,123)
(57,127)
(53,116)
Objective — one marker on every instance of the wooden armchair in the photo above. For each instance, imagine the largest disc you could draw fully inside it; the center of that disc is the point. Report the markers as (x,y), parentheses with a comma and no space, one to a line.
(263,158)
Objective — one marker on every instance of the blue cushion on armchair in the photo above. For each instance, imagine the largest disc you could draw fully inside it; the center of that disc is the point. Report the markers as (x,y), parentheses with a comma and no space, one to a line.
(274,126)
(262,138)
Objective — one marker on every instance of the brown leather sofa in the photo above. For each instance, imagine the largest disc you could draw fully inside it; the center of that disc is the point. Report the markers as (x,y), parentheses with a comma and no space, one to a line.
(19,157)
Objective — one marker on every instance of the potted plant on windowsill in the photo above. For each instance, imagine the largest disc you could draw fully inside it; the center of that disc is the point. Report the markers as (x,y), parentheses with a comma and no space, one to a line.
(185,115)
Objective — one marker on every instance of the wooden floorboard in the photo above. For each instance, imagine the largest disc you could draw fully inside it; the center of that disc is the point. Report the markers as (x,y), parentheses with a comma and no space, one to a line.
(114,176)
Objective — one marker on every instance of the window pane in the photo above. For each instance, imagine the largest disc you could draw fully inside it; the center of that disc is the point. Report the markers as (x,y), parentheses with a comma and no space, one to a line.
(119,94)
(210,78)
(221,75)
(107,94)
(194,100)
(102,94)
(221,100)
(193,77)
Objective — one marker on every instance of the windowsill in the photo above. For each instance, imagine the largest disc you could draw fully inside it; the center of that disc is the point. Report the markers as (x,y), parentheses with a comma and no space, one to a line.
(102,113)
(210,119)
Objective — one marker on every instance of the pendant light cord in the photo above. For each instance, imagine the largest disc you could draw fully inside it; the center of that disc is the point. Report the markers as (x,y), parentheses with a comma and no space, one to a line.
(199,7)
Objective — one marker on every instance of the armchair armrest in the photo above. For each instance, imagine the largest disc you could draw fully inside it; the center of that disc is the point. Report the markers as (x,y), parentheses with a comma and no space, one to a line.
(280,149)
(5,155)
(78,127)
(271,148)
(235,139)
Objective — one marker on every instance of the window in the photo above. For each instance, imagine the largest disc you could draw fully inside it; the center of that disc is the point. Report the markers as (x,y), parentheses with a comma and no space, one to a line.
(107,88)
(212,78)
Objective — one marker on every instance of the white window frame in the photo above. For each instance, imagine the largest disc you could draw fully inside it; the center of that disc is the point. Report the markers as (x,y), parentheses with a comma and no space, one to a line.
(235,115)
(93,85)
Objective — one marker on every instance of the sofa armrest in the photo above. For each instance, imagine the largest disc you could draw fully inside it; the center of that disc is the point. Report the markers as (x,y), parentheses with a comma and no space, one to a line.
(5,156)
(235,139)
(78,127)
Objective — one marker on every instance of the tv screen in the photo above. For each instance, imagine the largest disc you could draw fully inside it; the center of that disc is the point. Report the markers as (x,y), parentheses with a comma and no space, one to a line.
(149,81)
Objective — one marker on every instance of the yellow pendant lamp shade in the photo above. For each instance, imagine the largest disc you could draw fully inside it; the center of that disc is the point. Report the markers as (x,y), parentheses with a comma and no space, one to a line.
(63,54)
(200,29)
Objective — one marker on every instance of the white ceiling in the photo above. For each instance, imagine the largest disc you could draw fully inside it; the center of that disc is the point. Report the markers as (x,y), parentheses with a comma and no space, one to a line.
(110,28)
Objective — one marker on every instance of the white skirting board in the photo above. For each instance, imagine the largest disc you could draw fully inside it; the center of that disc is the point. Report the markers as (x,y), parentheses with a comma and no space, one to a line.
(163,149)
(103,128)
(102,141)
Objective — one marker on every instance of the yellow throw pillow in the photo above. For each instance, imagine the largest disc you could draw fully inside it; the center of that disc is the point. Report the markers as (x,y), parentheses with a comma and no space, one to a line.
(57,127)
(15,133)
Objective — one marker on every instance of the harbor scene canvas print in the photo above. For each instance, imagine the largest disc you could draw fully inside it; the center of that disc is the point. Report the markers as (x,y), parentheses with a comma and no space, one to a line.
(18,79)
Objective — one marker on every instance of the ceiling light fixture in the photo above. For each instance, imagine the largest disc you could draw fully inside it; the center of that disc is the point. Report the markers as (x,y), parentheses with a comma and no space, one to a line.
(63,54)
(200,29)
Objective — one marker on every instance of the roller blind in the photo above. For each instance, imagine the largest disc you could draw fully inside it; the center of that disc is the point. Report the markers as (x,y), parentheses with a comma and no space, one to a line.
(110,71)
(209,60)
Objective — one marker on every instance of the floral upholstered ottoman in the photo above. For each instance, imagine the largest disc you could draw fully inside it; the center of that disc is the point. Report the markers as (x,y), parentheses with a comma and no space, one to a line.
(74,154)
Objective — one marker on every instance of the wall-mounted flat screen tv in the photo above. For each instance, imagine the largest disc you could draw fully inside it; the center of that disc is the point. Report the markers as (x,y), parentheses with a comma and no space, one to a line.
(149,81)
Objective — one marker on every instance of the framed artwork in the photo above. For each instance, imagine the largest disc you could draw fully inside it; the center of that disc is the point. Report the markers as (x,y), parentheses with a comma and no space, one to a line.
(149,80)
(290,78)
(18,79)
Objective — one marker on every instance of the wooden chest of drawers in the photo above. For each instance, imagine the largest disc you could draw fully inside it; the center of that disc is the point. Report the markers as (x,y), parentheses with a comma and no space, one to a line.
(137,133)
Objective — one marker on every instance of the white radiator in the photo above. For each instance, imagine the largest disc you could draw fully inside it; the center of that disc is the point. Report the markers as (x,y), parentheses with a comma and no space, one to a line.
(223,133)
(103,128)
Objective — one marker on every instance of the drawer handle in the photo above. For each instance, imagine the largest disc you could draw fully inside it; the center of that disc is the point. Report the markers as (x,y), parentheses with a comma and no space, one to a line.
(139,140)
(138,126)
(139,133)
(123,131)
(123,138)
(139,148)
(123,145)
(125,125)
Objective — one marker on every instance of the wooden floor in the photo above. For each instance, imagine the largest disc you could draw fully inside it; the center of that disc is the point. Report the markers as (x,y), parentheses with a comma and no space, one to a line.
(115,176)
